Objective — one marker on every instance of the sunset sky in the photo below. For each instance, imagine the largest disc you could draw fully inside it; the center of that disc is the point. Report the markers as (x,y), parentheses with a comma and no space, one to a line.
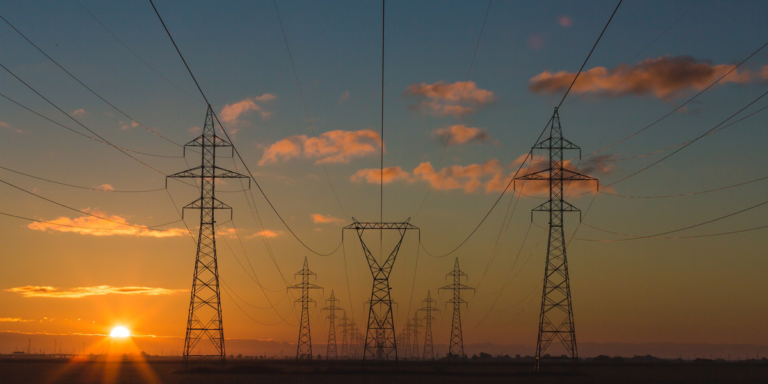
(94,274)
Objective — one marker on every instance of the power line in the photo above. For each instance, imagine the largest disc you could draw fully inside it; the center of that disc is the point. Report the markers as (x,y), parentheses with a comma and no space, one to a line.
(87,87)
(81,187)
(690,142)
(78,226)
(681,105)
(233,146)
(79,123)
(79,133)
(135,54)
(461,97)
(531,151)
(649,44)
(673,237)
(685,142)
(75,209)
(306,110)
(635,237)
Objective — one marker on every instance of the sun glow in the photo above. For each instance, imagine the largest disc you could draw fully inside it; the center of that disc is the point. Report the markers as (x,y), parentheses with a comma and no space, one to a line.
(120,332)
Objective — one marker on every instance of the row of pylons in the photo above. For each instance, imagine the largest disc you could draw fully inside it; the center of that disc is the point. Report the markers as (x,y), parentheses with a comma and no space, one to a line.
(352,340)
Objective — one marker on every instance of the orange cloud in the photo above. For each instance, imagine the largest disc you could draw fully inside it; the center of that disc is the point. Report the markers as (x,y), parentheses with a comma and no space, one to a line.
(79,292)
(231,112)
(14,320)
(78,112)
(331,147)
(106,187)
(374,175)
(265,233)
(443,99)
(323,219)
(594,165)
(89,225)
(7,126)
(460,134)
(664,78)
(457,176)
(565,21)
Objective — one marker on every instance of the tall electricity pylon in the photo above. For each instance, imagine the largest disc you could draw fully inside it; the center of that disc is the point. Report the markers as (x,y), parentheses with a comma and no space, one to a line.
(344,336)
(204,321)
(331,352)
(556,316)
(456,347)
(304,347)
(428,308)
(415,336)
(380,341)
(406,336)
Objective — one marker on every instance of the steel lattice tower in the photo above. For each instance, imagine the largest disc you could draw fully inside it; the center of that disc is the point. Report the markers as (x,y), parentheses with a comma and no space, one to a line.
(406,335)
(556,316)
(429,308)
(204,321)
(304,347)
(380,341)
(331,349)
(415,338)
(456,346)
(344,337)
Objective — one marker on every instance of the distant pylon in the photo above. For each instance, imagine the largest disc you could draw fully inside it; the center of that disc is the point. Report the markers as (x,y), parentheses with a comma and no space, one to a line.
(331,352)
(429,308)
(204,320)
(344,336)
(456,346)
(304,347)
(380,341)
(556,316)
(406,338)
(415,336)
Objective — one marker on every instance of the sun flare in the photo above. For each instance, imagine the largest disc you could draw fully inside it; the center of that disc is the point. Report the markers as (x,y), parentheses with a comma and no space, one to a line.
(120,332)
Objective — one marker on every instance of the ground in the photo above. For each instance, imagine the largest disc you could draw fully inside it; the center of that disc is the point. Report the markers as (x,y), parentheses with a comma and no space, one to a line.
(55,371)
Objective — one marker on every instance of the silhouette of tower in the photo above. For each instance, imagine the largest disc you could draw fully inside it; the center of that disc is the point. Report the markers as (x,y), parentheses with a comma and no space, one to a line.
(456,346)
(415,336)
(556,316)
(331,352)
(344,336)
(204,321)
(429,309)
(406,336)
(304,347)
(380,341)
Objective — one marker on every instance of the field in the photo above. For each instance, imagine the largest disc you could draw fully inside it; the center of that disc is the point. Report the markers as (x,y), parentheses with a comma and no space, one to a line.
(45,370)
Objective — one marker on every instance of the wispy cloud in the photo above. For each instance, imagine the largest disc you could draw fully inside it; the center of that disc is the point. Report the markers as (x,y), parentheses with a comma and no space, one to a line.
(15,320)
(331,147)
(374,175)
(266,233)
(231,113)
(79,292)
(664,78)
(126,126)
(324,219)
(78,112)
(444,99)
(460,134)
(565,21)
(7,126)
(344,97)
(467,177)
(89,225)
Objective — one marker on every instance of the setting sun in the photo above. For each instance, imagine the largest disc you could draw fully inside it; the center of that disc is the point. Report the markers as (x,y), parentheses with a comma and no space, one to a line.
(120,332)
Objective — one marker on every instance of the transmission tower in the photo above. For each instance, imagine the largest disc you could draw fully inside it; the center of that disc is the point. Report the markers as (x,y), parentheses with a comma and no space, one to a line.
(331,349)
(556,317)
(406,335)
(204,321)
(304,347)
(380,341)
(456,347)
(344,336)
(429,308)
(415,338)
